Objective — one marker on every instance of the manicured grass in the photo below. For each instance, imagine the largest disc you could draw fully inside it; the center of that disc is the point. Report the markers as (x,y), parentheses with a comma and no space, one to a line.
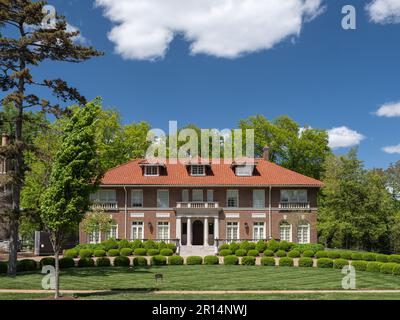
(204,278)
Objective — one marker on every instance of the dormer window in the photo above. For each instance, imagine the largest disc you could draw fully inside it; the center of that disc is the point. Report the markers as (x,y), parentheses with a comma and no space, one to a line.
(151,171)
(198,170)
(244,171)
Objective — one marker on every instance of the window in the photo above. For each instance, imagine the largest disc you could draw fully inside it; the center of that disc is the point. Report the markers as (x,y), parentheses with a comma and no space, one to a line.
(94,238)
(258,199)
(259,231)
(162,199)
(294,196)
(185,195)
(232,198)
(113,233)
(197,196)
(303,233)
(285,230)
(163,230)
(232,231)
(244,171)
(137,230)
(137,198)
(198,170)
(210,195)
(104,196)
(152,171)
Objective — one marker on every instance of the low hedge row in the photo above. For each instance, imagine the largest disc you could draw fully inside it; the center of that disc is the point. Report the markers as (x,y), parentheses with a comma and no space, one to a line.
(125,252)
(122,244)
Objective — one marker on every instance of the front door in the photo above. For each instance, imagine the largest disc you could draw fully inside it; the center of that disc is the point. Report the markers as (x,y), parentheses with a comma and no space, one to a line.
(198,233)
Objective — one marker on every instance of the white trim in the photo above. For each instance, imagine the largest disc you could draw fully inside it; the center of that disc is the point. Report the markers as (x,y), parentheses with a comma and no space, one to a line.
(169,229)
(238,230)
(197,165)
(163,215)
(152,175)
(264,229)
(232,215)
(259,215)
(137,215)
(137,227)
(290,231)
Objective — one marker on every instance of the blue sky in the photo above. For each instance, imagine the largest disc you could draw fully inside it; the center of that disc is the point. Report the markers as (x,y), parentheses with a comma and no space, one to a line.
(325,77)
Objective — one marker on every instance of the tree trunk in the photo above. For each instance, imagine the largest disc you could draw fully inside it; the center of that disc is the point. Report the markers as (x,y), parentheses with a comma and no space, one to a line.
(14,244)
(57,274)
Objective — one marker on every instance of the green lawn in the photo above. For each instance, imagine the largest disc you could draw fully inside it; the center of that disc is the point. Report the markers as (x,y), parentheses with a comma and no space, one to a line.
(204,278)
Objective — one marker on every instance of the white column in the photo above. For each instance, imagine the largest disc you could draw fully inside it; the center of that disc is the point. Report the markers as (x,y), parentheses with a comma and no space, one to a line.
(206,232)
(179,229)
(216,233)
(189,232)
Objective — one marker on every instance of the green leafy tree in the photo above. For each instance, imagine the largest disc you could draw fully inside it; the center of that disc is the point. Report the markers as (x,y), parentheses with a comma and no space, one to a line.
(74,176)
(97,221)
(29,43)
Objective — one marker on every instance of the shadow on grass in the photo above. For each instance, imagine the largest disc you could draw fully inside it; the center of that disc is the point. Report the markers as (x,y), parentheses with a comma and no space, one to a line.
(116,291)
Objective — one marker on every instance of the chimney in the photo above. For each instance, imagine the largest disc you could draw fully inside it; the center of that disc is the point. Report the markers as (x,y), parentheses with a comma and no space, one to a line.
(266,153)
(4,139)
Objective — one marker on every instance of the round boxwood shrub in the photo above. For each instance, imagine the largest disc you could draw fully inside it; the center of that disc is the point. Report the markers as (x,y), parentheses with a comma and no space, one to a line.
(172,247)
(150,244)
(359,265)
(333,254)
(280,253)
(249,261)
(324,263)
(194,260)
(140,261)
(268,261)
(387,268)
(356,256)
(85,253)
(381,257)
(158,260)
(166,252)
(103,262)
(47,261)
(286,262)
(253,253)
(224,246)
(161,245)
(306,262)
(153,252)
(285,245)
(124,244)
(126,252)
(394,258)
(231,260)
(340,263)
(268,253)
(99,253)
(261,246)
(175,260)
(71,253)
(373,266)
(113,253)
(294,254)
(110,244)
(321,254)
(346,255)
(246,245)
(66,263)
(3,267)
(225,252)
(136,244)
(233,246)
(211,260)
(273,245)
(86,263)
(369,256)
(308,253)
(26,265)
(122,261)
(396,270)
(240,252)
(140,252)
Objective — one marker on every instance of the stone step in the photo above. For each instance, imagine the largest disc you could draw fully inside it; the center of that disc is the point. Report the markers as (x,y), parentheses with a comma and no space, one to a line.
(186,251)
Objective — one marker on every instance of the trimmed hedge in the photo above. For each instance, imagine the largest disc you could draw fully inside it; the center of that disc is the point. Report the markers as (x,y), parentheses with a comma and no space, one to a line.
(246,245)
(268,261)
(387,268)
(103,262)
(47,261)
(140,252)
(99,253)
(268,253)
(150,244)
(240,252)
(286,262)
(71,253)
(248,261)
(294,254)
(211,260)
(359,265)
(172,247)
(113,253)
(308,254)
(306,262)
(382,257)
(153,252)
(356,256)
(273,245)
(175,260)
(280,253)
(110,244)
(285,245)
(321,254)
(394,258)
(369,256)
(85,263)
(85,253)
(166,252)
(373,266)
(224,246)
(26,265)
(333,254)
(231,260)
(396,270)
(3,267)
(253,253)
(340,263)
(122,261)
(261,246)
(140,261)
(324,263)
(124,244)
(136,244)
(345,255)
(194,260)
(158,260)
(126,252)
(234,246)
(225,252)
(66,262)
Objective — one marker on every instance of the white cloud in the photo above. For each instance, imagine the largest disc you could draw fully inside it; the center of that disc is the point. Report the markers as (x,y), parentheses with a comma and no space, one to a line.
(389,110)
(80,38)
(392,149)
(343,137)
(223,28)
(384,11)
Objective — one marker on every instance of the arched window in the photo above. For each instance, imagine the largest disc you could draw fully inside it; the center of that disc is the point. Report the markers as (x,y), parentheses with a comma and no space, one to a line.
(303,232)
(285,230)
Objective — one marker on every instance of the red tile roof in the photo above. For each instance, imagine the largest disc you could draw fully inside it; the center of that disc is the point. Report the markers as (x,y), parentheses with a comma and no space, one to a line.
(266,173)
